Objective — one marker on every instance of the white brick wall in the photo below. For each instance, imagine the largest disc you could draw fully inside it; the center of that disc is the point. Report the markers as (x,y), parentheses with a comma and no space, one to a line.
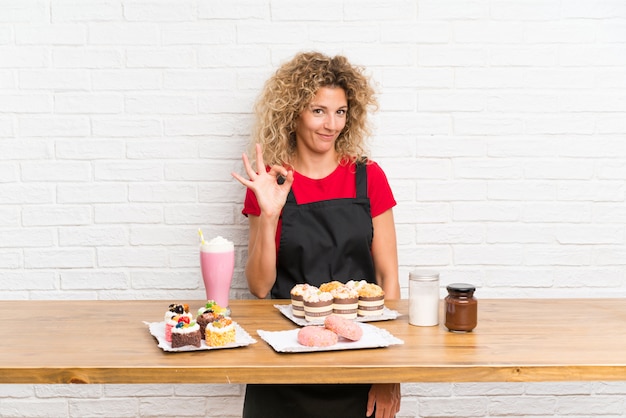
(502,130)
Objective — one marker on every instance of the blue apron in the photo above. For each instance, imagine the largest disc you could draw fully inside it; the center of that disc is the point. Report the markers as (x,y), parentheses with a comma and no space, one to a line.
(319,242)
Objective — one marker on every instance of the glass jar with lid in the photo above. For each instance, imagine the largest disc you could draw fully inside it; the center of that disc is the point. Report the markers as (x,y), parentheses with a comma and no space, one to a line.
(461,307)
(424,298)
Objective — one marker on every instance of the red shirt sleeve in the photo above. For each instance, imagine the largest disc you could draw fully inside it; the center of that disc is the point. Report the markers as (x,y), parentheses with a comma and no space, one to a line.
(378,190)
(250,204)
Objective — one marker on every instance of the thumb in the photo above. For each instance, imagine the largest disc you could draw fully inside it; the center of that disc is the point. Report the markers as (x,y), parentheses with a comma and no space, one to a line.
(370,406)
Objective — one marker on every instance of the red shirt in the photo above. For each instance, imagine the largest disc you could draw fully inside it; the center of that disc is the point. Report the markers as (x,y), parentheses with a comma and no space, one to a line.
(339,184)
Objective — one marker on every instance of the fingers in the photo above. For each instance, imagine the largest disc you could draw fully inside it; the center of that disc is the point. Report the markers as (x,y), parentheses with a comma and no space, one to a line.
(246,165)
(282,175)
(370,405)
(240,179)
(260,164)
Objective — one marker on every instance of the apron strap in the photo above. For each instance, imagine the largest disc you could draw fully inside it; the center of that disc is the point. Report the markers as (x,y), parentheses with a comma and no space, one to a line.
(361,178)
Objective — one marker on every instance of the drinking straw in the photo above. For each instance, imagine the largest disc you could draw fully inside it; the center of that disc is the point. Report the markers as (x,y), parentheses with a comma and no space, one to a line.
(201,236)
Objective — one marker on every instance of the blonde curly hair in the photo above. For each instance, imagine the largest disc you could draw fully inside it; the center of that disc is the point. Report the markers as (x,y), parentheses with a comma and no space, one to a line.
(292,88)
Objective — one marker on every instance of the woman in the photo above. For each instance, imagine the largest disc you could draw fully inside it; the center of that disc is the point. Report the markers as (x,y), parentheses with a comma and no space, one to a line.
(318,210)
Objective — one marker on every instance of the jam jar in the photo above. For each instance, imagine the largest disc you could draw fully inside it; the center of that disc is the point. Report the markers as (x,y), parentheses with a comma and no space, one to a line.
(461,307)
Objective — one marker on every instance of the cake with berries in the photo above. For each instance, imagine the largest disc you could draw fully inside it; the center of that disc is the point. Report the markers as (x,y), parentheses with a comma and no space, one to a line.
(186,333)
(172,315)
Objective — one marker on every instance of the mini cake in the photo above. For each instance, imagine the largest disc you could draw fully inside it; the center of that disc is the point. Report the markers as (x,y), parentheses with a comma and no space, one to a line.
(212,306)
(186,333)
(220,332)
(207,314)
(317,305)
(173,313)
(345,302)
(371,300)
(314,336)
(297,299)
(205,319)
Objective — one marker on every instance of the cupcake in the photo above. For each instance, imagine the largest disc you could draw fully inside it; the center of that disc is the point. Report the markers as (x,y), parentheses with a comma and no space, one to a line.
(317,305)
(356,284)
(297,299)
(330,286)
(186,333)
(345,302)
(220,332)
(371,300)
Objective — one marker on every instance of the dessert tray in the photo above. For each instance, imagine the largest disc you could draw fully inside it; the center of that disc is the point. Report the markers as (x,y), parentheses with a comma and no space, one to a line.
(287,341)
(157,329)
(386,315)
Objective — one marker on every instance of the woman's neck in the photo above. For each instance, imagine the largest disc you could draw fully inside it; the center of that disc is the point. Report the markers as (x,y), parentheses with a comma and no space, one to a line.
(316,166)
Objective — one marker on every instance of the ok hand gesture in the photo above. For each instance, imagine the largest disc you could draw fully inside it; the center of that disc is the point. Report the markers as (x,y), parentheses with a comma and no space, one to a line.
(270,187)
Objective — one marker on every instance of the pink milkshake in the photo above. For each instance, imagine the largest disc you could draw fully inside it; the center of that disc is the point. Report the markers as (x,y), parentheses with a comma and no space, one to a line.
(217,261)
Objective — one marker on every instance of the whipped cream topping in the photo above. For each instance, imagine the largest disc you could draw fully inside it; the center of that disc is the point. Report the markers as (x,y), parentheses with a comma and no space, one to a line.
(187,329)
(218,244)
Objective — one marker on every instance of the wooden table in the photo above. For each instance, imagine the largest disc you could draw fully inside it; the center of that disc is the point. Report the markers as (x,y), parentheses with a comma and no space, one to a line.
(516,340)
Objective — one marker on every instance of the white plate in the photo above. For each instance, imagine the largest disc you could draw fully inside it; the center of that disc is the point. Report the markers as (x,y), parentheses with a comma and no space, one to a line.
(287,341)
(386,315)
(157,329)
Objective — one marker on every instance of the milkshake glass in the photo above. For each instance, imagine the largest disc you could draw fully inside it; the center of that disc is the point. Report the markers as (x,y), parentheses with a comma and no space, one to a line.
(217,261)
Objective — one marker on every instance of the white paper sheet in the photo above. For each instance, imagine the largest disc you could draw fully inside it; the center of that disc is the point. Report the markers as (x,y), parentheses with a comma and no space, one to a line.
(157,329)
(386,315)
(287,341)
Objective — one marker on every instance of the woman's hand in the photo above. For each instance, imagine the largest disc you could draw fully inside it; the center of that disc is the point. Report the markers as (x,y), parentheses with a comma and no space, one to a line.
(386,398)
(270,187)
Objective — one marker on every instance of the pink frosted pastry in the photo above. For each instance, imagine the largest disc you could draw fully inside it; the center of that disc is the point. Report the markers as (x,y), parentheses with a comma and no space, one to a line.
(313,336)
(343,327)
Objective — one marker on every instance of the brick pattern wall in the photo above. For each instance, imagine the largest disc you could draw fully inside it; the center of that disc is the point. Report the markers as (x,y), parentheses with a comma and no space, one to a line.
(502,131)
